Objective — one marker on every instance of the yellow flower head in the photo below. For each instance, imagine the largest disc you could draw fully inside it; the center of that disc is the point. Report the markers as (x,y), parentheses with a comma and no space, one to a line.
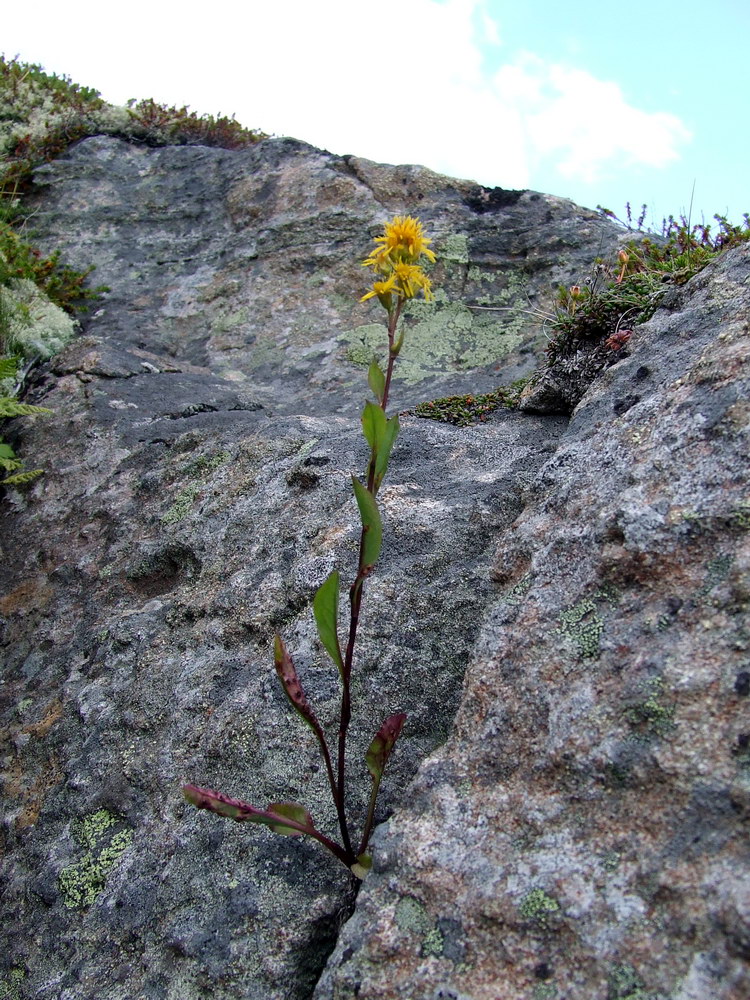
(396,261)
(403,241)
(383,291)
(411,279)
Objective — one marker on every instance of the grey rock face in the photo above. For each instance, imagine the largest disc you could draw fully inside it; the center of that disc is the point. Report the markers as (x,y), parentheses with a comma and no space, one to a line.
(197,492)
(583,832)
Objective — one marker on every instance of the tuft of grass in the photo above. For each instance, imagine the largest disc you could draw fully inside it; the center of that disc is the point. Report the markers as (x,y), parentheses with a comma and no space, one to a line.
(619,294)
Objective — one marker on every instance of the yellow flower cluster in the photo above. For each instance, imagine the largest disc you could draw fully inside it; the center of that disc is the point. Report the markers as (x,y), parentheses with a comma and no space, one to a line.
(396,262)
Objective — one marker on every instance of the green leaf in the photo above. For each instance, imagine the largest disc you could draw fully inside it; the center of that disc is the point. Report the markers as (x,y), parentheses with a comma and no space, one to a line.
(376,381)
(8,367)
(326,611)
(373,526)
(385,444)
(292,688)
(19,478)
(10,408)
(6,451)
(381,747)
(362,866)
(373,424)
(293,811)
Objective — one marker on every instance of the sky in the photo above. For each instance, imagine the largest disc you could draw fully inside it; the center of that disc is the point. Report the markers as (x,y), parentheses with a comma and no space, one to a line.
(644,101)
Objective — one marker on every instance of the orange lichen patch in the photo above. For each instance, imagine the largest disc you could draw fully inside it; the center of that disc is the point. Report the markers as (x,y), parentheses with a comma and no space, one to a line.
(36,793)
(53,712)
(33,593)
(31,791)
(31,773)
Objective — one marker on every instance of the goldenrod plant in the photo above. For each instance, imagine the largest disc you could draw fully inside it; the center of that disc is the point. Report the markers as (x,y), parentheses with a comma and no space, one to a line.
(398,275)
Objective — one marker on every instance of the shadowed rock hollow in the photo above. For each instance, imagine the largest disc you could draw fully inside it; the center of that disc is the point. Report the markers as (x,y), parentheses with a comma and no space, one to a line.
(560,609)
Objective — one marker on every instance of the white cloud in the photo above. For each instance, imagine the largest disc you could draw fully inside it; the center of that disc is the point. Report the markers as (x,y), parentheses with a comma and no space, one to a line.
(584,124)
(402,81)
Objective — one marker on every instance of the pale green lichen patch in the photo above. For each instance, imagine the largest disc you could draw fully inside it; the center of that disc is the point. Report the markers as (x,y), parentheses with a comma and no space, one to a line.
(433,942)
(740,516)
(538,907)
(182,505)
(225,321)
(412,917)
(33,324)
(545,991)
(10,988)
(651,716)
(454,248)
(625,984)
(583,625)
(515,594)
(445,338)
(103,838)
(206,463)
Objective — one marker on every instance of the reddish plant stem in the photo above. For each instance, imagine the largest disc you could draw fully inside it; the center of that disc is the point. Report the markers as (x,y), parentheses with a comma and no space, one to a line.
(355,602)
(392,324)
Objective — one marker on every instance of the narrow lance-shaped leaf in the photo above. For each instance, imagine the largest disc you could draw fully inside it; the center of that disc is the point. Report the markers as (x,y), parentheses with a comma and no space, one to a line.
(290,682)
(381,747)
(385,445)
(326,611)
(376,381)
(373,425)
(371,523)
(223,805)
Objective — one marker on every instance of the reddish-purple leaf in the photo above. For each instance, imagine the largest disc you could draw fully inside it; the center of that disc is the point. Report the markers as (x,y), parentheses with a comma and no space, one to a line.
(223,805)
(380,748)
(205,798)
(290,682)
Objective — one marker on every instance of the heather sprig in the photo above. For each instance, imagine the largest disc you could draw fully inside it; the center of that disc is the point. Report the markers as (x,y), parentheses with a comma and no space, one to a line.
(396,261)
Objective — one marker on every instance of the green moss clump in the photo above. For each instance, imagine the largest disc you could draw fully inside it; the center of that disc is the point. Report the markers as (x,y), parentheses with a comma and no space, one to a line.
(620,294)
(465,410)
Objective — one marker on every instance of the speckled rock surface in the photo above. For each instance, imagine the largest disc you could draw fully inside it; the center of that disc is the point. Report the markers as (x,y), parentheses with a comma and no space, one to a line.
(196,493)
(580,833)
(583,834)
(248,262)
